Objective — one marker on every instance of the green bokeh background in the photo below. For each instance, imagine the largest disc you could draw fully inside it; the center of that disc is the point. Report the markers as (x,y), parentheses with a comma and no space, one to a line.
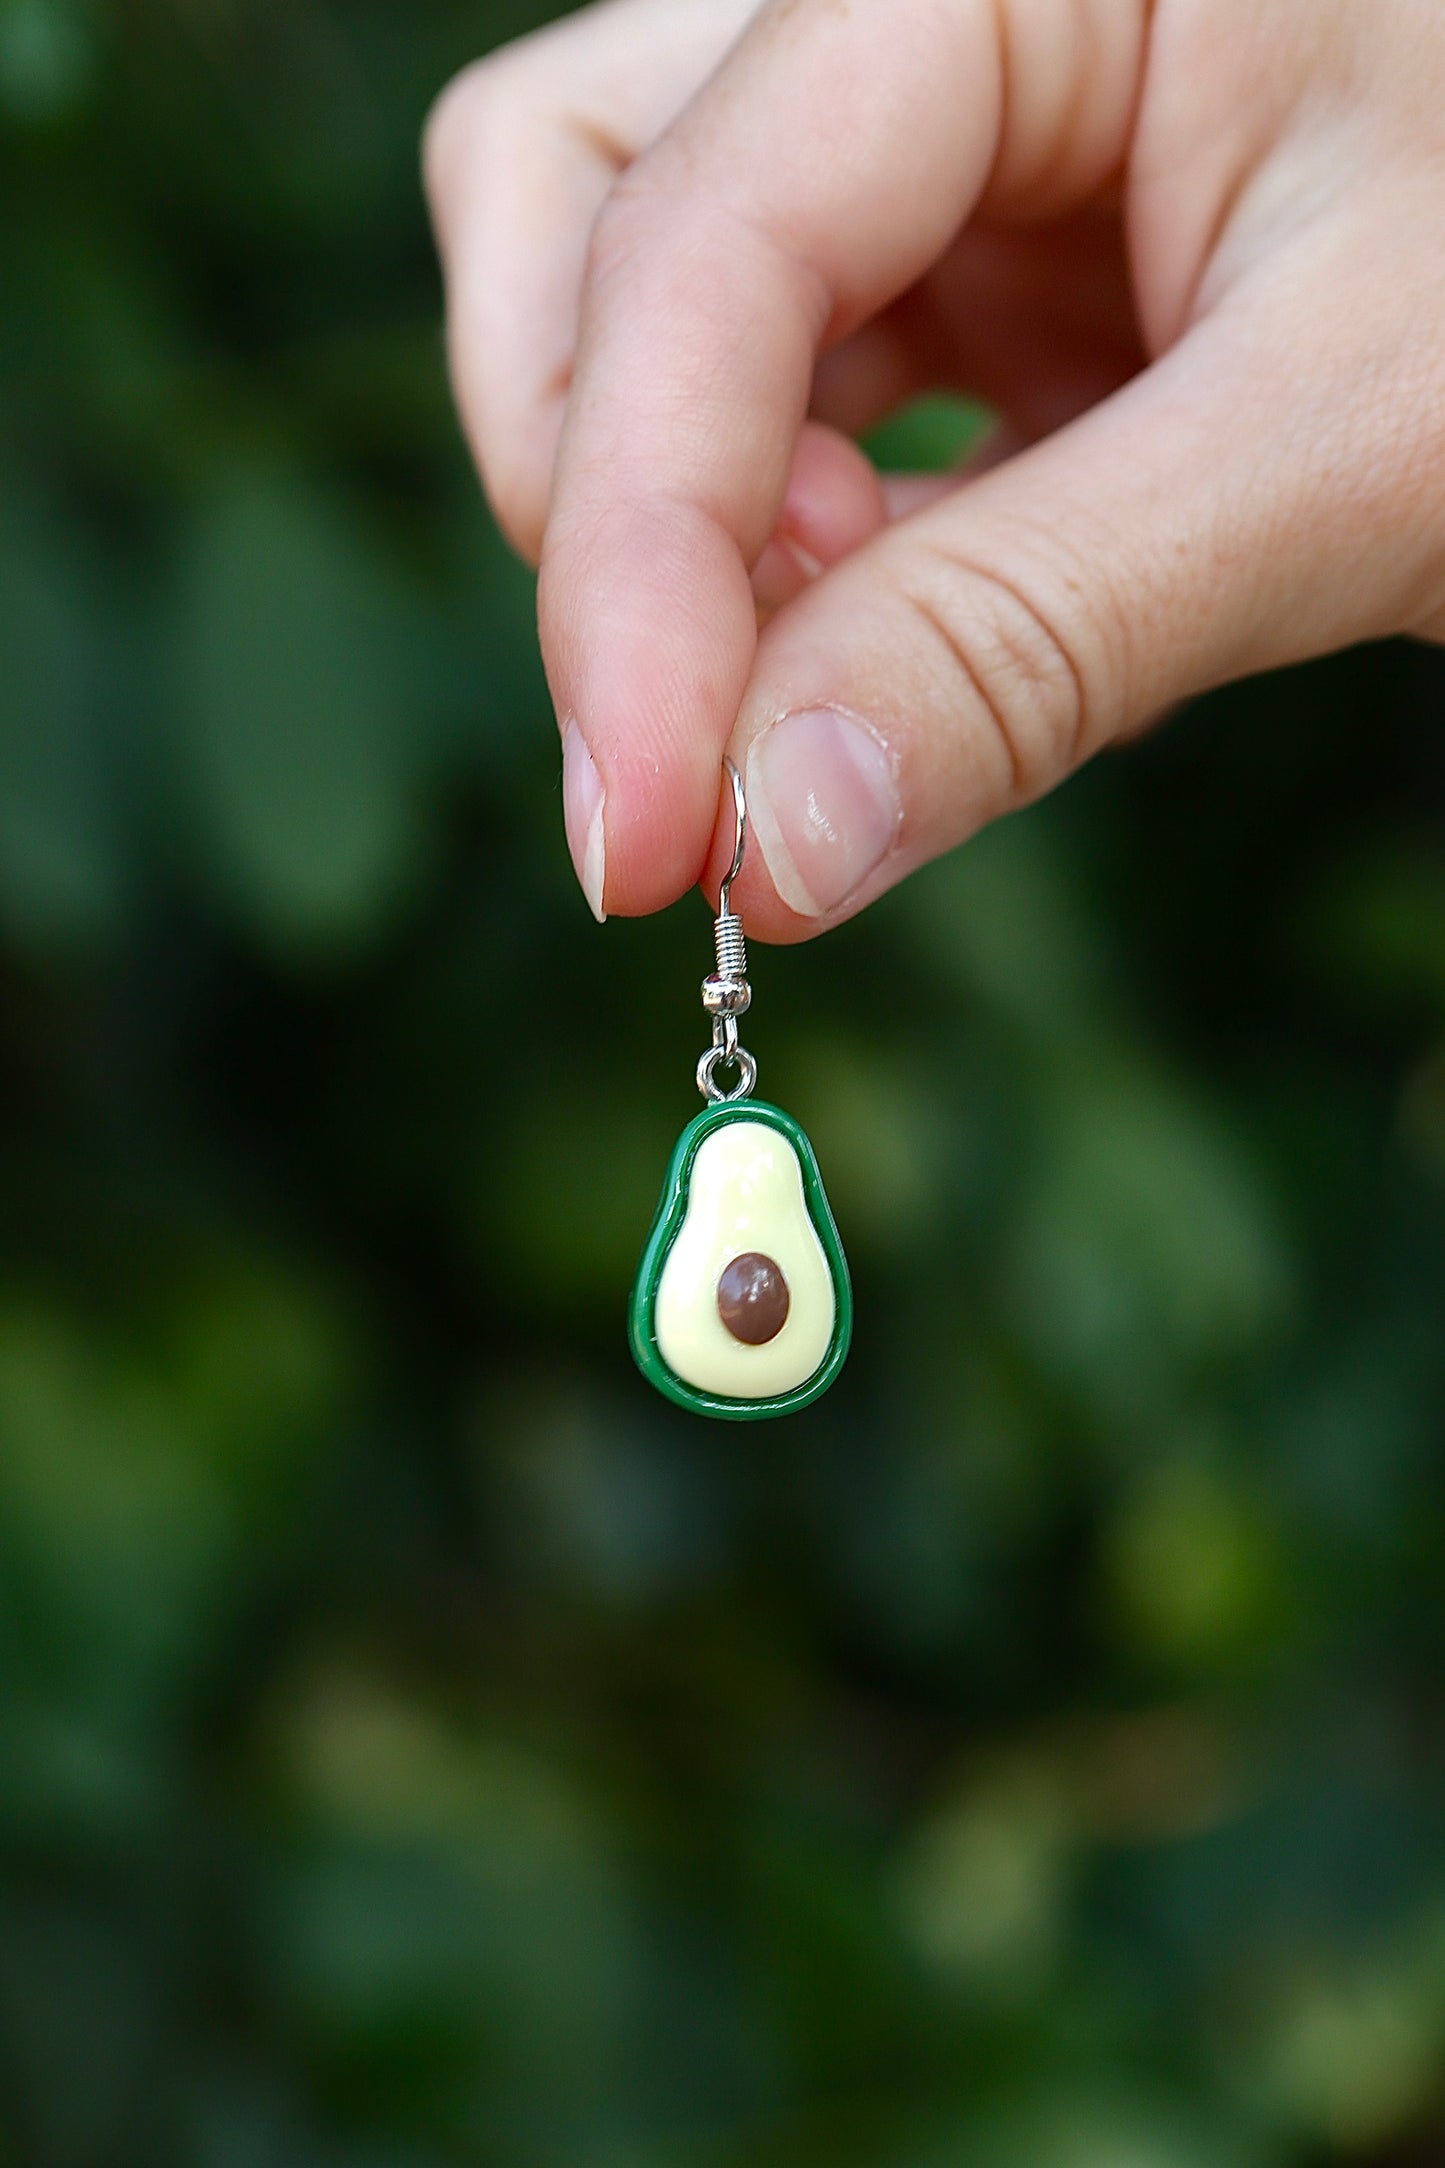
(419,1745)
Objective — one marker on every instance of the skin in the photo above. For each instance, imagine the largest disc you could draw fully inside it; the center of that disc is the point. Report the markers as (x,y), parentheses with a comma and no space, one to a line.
(1193,253)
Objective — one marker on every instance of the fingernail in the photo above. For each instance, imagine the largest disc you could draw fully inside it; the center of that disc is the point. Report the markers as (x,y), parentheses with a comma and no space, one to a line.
(824,806)
(582,813)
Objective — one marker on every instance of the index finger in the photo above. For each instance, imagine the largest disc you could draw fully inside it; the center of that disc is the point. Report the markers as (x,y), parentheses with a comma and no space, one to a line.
(821,169)
(826,163)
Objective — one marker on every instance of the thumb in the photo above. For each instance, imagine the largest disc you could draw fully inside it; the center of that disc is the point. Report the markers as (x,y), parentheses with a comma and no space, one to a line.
(1235,507)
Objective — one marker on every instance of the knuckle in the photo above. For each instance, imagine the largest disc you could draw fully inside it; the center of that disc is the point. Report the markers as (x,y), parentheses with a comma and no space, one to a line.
(1003,638)
(467,111)
(451,124)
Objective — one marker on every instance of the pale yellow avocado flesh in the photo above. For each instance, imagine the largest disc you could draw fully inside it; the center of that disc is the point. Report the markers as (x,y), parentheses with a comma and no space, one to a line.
(745,1193)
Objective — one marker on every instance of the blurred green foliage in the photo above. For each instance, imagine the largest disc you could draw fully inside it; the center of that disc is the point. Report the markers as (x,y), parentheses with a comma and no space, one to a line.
(420,1746)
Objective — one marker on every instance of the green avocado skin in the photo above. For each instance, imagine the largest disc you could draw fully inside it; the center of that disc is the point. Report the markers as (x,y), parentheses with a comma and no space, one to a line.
(670,1212)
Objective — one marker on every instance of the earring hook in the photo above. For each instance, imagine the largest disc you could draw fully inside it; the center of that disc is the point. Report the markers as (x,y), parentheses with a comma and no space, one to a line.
(740,838)
(726,993)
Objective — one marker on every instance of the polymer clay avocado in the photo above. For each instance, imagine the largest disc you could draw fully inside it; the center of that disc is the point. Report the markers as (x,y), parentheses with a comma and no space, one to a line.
(742,1305)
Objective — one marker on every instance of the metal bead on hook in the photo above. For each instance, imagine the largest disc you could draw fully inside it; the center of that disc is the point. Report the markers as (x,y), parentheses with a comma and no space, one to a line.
(726,994)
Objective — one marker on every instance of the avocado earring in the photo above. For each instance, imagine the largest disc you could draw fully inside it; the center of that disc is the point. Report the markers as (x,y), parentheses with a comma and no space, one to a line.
(742,1306)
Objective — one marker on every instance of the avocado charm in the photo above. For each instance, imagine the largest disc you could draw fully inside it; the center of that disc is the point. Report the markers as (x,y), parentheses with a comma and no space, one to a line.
(742,1306)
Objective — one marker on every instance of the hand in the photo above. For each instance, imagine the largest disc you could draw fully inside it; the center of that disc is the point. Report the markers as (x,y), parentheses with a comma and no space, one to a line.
(1192,252)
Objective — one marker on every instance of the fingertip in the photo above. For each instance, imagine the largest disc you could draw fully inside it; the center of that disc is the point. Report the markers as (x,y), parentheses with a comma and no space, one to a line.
(834,499)
(835,502)
(648,632)
(446,127)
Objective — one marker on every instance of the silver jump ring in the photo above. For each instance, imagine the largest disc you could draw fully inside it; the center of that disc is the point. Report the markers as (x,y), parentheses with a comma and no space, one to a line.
(747,1070)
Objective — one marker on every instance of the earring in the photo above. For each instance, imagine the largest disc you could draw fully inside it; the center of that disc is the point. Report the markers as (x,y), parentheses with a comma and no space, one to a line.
(742,1306)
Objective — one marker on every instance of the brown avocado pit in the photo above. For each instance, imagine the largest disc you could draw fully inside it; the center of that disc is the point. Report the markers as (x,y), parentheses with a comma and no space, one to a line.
(752,1298)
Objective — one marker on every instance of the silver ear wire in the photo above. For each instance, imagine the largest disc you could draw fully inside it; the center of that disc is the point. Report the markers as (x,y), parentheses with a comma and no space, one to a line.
(726,994)
(740,837)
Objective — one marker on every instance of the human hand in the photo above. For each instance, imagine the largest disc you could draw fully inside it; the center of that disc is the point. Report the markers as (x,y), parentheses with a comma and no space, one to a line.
(1192,251)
